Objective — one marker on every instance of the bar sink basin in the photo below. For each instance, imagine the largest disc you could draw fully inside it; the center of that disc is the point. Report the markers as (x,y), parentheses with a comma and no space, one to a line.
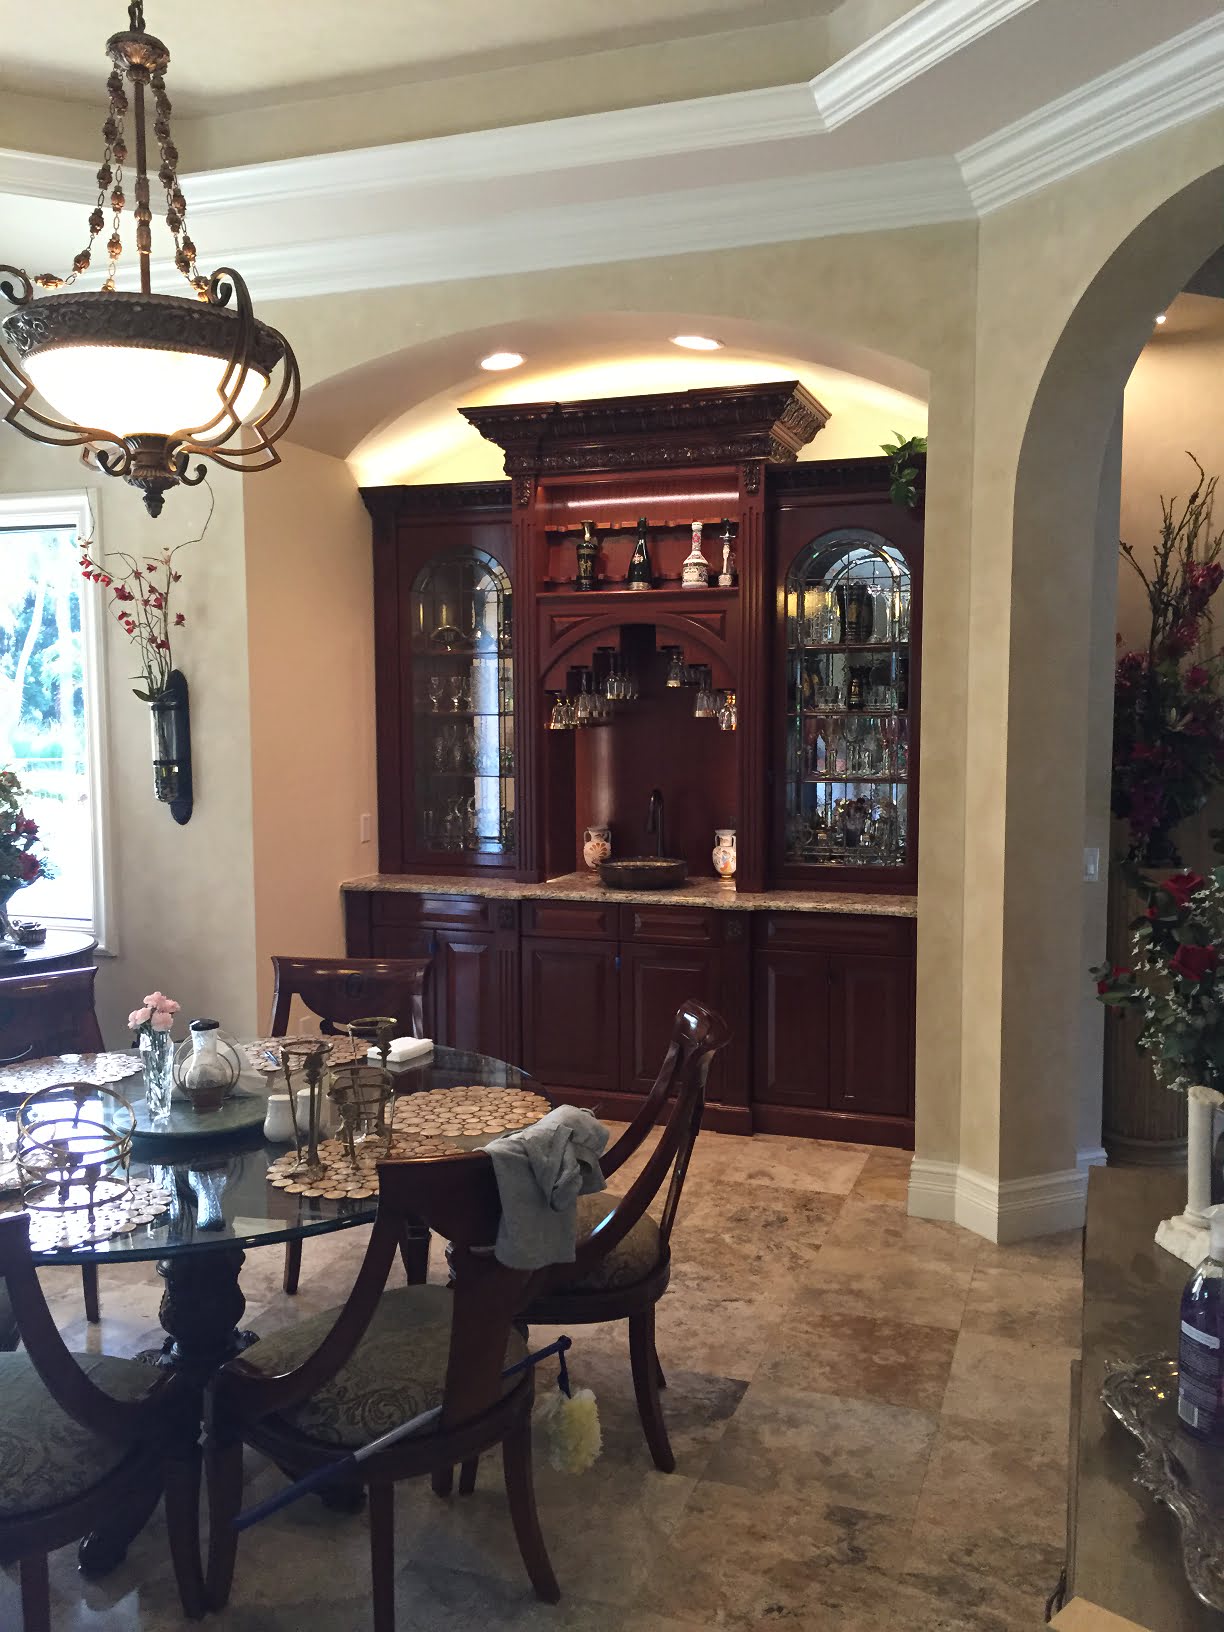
(644,872)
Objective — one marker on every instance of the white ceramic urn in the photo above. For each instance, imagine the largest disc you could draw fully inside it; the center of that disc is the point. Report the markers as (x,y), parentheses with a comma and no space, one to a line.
(596,846)
(724,853)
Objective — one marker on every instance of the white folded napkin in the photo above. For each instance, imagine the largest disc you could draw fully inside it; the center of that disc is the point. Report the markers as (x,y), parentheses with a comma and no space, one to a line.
(404,1049)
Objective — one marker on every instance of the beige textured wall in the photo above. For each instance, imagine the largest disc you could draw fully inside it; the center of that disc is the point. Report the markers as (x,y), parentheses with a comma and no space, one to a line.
(1068,283)
(907,294)
(184,910)
(310,615)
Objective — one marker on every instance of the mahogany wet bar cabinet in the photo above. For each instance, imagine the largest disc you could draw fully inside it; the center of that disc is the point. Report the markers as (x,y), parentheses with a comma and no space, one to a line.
(526,693)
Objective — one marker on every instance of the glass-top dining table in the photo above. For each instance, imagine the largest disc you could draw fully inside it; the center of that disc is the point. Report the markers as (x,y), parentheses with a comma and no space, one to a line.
(222,1205)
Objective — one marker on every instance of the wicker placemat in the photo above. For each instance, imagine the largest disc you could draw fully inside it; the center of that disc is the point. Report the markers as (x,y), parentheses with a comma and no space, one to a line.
(440,1122)
(264,1053)
(465,1112)
(50,1230)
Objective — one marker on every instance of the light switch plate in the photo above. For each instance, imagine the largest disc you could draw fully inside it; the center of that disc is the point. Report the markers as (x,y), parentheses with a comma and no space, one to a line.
(364,827)
(1092,865)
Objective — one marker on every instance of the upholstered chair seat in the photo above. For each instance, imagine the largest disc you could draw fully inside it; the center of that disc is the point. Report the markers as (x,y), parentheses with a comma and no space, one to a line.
(45,1457)
(630,1260)
(397,1371)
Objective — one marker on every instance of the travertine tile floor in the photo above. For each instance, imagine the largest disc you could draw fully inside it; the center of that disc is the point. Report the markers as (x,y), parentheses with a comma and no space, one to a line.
(869,1414)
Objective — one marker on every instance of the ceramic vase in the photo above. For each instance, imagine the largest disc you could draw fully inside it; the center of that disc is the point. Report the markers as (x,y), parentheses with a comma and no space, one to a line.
(157,1064)
(596,846)
(724,853)
(207,1066)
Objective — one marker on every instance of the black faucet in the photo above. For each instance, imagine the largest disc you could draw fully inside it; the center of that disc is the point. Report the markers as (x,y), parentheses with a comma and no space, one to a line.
(654,819)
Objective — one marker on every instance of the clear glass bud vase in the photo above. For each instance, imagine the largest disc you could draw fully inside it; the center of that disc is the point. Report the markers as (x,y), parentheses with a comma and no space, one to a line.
(157,1061)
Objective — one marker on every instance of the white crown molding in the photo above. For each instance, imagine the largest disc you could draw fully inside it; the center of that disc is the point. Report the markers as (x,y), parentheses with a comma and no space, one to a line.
(913,45)
(621,135)
(1156,91)
(42,175)
(914,193)
(1007,1210)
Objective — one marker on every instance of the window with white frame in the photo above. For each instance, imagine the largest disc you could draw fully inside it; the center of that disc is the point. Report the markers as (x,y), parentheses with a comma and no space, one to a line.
(52,704)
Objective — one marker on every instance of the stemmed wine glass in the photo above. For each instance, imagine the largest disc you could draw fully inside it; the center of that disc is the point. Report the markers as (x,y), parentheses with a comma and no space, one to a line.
(435,690)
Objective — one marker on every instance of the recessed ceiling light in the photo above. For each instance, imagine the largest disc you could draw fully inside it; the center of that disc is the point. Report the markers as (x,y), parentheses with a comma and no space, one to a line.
(696,342)
(1160,317)
(497,360)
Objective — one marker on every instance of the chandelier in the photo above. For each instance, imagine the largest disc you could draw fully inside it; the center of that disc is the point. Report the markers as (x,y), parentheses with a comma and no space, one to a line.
(148,385)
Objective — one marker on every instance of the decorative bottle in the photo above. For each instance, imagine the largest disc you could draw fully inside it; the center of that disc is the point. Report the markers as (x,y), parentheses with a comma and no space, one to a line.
(211,1071)
(1200,1354)
(695,573)
(726,537)
(641,575)
(588,551)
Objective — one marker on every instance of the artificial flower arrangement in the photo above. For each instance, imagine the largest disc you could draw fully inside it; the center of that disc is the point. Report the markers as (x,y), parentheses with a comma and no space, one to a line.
(1168,745)
(142,589)
(19,863)
(1176,981)
(155,1014)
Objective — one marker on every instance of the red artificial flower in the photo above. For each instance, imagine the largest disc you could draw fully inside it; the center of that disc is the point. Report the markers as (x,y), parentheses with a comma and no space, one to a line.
(28,867)
(1197,678)
(1195,962)
(1182,886)
(1118,972)
(176,577)
(179,620)
(27,827)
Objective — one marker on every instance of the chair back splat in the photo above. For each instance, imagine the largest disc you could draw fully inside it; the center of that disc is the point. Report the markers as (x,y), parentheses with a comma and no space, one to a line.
(48,1014)
(339,990)
(697,1036)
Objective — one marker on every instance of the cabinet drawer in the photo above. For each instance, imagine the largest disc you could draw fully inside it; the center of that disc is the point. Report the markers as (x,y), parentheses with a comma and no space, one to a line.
(438,911)
(836,932)
(583,920)
(673,926)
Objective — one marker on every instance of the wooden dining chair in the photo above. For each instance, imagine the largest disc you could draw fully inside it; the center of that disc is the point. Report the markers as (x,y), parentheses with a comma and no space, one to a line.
(337,990)
(83,1437)
(312,1393)
(623,1261)
(52,1014)
(48,1014)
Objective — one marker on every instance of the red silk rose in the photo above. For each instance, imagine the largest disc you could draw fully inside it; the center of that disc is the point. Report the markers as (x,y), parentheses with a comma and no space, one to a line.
(1194,962)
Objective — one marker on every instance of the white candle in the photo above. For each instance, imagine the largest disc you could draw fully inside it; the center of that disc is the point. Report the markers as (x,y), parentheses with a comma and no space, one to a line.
(1198,1150)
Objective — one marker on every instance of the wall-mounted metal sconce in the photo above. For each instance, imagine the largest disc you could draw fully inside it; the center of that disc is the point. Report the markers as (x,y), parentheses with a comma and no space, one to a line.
(172,747)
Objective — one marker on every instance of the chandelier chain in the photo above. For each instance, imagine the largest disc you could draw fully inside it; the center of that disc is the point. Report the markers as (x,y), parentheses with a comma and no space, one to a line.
(176,204)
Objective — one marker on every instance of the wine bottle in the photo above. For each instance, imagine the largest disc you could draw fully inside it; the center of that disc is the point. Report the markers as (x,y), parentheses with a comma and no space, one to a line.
(641,575)
(588,550)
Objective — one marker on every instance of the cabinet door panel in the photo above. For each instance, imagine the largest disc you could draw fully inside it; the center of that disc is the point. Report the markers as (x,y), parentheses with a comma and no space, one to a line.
(466,977)
(792,1027)
(656,981)
(570,1012)
(872,1035)
(414,943)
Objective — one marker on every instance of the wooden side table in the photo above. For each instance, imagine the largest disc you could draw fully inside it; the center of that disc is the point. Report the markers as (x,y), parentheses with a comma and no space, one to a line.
(63,949)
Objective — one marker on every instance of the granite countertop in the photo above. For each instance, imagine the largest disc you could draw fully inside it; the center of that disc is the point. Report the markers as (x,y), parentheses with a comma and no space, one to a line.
(698,892)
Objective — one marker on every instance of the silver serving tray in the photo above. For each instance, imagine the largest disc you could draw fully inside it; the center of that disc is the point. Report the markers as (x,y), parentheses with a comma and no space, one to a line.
(1184,1474)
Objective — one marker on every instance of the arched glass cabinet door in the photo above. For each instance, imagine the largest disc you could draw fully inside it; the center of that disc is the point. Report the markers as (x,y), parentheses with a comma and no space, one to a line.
(463,701)
(848,603)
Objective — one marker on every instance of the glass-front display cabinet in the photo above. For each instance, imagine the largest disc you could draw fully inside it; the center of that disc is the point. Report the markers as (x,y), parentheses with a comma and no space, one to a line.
(463,707)
(849,699)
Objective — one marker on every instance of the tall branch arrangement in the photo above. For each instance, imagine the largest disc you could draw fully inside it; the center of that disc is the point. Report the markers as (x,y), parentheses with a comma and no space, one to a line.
(1168,748)
(142,589)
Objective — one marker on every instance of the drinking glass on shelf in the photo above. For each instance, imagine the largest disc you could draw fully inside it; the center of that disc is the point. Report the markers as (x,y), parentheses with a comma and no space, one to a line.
(435,690)
(454,687)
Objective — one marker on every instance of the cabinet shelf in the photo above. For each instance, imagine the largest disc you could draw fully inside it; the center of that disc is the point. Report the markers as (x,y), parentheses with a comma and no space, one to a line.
(855,713)
(818,648)
(848,778)
(443,715)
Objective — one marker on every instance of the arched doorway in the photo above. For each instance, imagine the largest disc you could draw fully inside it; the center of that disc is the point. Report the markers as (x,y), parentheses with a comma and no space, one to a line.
(1040,794)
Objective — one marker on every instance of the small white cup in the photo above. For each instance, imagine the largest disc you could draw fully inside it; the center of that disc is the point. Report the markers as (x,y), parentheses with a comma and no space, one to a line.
(278,1124)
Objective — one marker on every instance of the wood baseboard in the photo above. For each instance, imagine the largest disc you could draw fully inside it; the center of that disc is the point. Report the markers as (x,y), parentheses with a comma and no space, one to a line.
(624,1107)
(844,1126)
